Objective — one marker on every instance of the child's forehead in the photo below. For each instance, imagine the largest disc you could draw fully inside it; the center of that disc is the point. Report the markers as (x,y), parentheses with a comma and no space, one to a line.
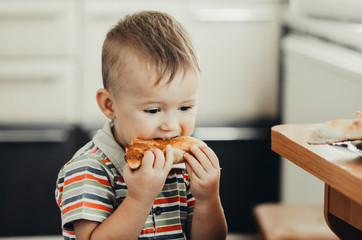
(149,78)
(143,81)
(141,70)
(176,92)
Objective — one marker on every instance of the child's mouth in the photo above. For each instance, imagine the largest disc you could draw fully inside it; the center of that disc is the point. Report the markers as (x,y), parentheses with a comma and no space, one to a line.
(169,138)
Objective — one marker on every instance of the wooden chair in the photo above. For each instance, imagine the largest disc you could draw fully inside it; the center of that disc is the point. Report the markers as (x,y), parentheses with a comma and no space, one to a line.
(292,222)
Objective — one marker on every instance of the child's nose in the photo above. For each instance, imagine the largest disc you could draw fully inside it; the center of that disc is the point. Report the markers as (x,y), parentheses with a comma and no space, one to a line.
(169,123)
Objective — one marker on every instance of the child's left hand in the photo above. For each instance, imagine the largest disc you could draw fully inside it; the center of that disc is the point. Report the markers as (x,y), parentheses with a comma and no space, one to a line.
(204,171)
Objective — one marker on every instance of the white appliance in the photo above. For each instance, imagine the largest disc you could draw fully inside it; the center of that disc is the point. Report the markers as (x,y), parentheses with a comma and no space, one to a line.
(322,80)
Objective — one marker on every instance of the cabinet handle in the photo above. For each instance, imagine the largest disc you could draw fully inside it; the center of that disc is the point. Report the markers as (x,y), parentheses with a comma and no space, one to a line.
(327,53)
(25,79)
(39,135)
(230,133)
(235,15)
(18,15)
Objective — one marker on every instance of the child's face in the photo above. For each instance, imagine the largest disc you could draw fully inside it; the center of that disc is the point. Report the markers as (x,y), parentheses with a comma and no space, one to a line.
(145,111)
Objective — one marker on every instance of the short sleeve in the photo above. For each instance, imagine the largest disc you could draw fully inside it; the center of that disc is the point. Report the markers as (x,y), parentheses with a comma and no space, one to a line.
(84,191)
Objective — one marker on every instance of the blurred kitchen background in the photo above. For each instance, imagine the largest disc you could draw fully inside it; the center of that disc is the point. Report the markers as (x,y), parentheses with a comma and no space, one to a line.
(264,62)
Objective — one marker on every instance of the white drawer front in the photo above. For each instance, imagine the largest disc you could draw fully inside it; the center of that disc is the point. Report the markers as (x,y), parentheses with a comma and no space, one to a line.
(36,92)
(36,28)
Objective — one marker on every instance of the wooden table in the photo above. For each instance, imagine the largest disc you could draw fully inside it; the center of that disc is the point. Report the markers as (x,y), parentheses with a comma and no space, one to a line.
(339,168)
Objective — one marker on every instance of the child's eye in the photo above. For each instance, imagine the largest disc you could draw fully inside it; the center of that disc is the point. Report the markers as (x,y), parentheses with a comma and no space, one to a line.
(185,108)
(152,110)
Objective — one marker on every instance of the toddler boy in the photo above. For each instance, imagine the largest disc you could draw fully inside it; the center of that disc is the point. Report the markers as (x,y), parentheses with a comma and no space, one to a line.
(151,78)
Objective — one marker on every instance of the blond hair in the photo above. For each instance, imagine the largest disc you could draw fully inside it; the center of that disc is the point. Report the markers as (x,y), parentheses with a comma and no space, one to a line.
(156,37)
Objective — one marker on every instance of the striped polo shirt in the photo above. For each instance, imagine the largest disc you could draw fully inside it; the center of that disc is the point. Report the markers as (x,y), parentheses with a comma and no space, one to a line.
(90,186)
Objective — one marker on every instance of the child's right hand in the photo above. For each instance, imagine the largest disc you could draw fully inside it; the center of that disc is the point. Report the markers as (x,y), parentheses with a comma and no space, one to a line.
(145,183)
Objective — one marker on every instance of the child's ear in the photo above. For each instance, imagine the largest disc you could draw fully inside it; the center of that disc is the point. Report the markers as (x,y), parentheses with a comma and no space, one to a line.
(106,103)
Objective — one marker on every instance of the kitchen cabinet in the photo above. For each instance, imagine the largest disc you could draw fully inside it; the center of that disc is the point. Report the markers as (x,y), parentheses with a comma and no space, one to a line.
(38,61)
(31,157)
(36,91)
(36,28)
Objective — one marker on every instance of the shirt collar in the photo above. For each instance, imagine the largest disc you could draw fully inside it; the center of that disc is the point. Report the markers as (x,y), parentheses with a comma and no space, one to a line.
(105,141)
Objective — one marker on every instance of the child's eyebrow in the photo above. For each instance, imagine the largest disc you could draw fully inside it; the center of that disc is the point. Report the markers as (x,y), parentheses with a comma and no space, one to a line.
(191,100)
(157,101)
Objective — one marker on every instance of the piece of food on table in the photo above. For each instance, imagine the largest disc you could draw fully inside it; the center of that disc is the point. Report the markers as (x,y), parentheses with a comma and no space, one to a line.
(359,114)
(336,131)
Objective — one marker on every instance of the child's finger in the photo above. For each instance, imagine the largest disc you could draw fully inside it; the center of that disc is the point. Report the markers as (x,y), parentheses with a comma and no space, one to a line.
(148,159)
(159,158)
(201,157)
(211,156)
(190,172)
(196,167)
(169,157)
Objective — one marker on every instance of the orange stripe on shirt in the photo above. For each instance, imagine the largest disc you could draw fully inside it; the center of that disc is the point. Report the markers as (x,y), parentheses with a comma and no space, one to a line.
(187,178)
(147,231)
(86,176)
(93,150)
(59,201)
(191,203)
(89,205)
(170,200)
(106,160)
(119,179)
(68,232)
(169,228)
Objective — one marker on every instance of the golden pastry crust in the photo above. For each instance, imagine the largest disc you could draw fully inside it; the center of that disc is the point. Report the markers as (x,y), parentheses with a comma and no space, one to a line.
(359,114)
(336,131)
(180,145)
